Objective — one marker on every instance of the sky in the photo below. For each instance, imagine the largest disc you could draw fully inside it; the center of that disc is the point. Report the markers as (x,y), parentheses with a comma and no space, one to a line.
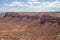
(29,5)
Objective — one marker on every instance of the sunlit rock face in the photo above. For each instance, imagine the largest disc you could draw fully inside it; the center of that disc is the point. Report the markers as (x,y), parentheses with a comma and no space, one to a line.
(29,26)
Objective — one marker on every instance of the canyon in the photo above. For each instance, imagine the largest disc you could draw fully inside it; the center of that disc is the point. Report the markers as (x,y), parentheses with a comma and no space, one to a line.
(29,25)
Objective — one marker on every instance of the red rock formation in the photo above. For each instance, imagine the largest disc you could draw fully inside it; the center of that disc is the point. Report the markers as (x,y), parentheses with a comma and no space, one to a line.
(15,26)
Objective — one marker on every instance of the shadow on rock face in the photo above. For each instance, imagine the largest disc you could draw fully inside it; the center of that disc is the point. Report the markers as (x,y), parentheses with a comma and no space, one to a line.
(52,19)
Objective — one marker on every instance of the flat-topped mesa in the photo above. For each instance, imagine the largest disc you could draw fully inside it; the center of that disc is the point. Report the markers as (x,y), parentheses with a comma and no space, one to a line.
(52,19)
(43,18)
(11,14)
(20,15)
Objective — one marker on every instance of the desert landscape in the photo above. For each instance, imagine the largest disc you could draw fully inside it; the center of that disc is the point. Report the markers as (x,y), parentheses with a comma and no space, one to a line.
(30,26)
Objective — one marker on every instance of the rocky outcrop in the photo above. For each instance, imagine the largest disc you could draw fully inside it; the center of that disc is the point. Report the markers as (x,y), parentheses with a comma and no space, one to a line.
(18,15)
(43,18)
(52,19)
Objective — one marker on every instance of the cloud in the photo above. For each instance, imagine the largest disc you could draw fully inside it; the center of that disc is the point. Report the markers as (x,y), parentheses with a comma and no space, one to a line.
(44,6)
(15,4)
(36,5)
(33,0)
